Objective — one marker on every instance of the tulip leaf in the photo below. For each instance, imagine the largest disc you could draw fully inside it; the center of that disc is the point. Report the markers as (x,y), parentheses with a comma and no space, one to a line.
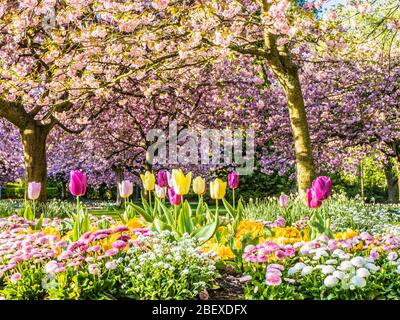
(161,225)
(206,232)
(199,209)
(185,223)
(229,208)
(39,223)
(147,207)
(28,213)
(142,212)
(166,211)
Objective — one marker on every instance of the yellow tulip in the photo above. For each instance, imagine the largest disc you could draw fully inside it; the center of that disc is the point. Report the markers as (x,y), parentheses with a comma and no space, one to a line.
(217,189)
(148,180)
(180,182)
(199,185)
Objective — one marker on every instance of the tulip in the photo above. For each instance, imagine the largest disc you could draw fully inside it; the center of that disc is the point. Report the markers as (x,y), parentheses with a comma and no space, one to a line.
(125,188)
(233,180)
(148,180)
(199,185)
(180,182)
(169,178)
(217,189)
(174,198)
(312,201)
(34,189)
(283,200)
(161,192)
(162,179)
(77,185)
(323,187)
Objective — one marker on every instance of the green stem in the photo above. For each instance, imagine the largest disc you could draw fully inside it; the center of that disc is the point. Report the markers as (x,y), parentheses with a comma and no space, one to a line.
(150,199)
(34,209)
(233,198)
(216,205)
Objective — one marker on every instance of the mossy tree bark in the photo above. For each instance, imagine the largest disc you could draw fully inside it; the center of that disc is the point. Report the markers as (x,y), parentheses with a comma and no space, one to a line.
(34,138)
(34,134)
(280,61)
(392,182)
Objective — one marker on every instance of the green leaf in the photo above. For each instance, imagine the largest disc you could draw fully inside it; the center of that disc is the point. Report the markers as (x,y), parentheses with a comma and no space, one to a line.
(39,224)
(143,213)
(199,209)
(185,223)
(229,208)
(166,211)
(161,225)
(28,213)
(205,233)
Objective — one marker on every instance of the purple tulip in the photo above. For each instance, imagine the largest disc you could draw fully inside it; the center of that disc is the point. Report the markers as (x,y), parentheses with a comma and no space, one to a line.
(312,201)
(323,187)
(34,189)
(283,200)
(233,180)
(174,198)
(77,184)
(162,179)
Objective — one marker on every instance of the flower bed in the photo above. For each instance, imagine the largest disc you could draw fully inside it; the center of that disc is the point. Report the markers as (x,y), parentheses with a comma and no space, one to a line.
(112,263)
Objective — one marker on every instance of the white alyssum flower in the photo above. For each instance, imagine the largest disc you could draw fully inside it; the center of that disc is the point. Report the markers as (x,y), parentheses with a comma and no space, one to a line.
(331,281)
(358,282)
(307,270)
(358,262)
(363,272)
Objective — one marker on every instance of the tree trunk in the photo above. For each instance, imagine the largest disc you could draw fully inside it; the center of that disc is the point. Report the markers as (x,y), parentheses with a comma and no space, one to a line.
(119,176)
(362,189)
(392,182)
(301,136)
(34,145)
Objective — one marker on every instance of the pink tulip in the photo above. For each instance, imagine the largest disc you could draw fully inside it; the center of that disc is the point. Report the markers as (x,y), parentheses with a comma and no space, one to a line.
(125,188)
(312,200)
(233,180)
(283,200)
(174,199)
(162,179)
(323,187)
(77,185)
(34,189)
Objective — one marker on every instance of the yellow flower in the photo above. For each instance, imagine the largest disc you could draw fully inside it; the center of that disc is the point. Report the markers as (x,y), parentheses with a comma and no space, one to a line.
(148,180)
(199,185)
(134,223)
(286,235)
(217,189)
(52,231)
(345,235)
(224,252)
(252,227)
(180,182)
